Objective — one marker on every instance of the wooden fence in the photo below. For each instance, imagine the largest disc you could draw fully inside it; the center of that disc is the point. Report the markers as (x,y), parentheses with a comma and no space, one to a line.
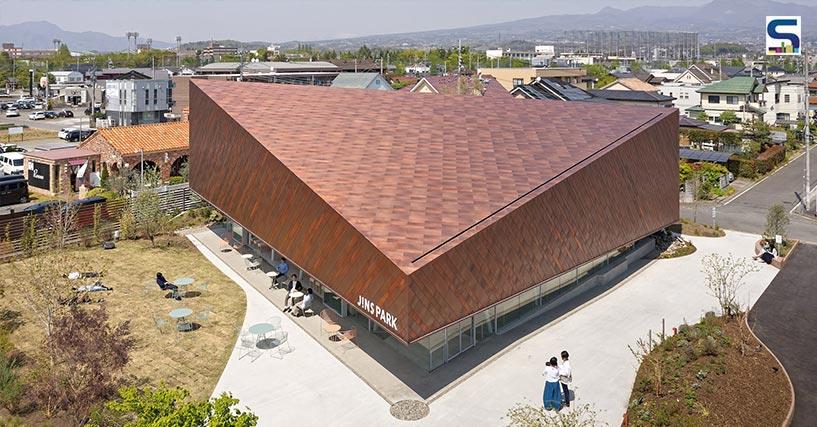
(14,240)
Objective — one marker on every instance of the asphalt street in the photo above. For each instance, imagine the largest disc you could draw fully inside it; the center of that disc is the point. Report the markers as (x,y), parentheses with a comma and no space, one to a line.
(747,211)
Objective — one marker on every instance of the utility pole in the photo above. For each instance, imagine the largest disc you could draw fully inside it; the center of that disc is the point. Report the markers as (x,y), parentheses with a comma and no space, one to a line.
(807,134)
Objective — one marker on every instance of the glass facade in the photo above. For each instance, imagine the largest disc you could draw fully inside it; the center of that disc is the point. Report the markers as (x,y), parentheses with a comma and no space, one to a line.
(432,351)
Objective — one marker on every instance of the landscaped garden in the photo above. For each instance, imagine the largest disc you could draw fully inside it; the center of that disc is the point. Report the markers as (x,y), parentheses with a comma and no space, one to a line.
(87,336)
(713,373)
(690,228)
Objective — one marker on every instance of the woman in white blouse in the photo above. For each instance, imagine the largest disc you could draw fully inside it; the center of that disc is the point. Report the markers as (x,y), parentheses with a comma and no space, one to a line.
(552,395)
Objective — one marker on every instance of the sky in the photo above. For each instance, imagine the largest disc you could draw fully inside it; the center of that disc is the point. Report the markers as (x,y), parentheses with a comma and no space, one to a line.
(285,20)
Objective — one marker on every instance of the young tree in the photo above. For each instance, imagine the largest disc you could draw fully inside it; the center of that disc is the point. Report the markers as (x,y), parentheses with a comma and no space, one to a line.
(724,277)
(41,284)
(776,221)
(89,355)
(169,407)
(729,118)
(61,221)
(28,241)
(150,218)
(702,116)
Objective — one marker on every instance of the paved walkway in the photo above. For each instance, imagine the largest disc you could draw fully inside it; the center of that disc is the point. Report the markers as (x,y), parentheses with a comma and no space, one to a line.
(785,319)
(311,387)
(307,387)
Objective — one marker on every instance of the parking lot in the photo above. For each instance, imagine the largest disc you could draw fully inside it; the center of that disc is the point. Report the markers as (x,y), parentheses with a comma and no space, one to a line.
(50,124)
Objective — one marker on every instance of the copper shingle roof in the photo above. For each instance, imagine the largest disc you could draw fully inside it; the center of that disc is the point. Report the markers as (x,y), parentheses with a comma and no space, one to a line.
(633,83)
(152,137)
(413,173)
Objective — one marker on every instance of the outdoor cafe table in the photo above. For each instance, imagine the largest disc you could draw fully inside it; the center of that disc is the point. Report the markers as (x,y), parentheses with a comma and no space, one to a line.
(182,283)
(179,314)
(261,330)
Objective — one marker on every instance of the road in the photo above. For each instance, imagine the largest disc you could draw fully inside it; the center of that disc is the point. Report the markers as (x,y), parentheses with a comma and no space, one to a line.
(747,210)
(784,318)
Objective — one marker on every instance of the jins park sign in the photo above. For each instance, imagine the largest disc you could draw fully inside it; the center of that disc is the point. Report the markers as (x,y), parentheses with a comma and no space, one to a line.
(387,318)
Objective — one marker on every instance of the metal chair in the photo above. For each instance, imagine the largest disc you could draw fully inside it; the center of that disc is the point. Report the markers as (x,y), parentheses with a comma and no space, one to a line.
(275,321)
(248,346)
(161,324)
(346,338)
(202,287)
(283,346)
(252,264)
(204,315)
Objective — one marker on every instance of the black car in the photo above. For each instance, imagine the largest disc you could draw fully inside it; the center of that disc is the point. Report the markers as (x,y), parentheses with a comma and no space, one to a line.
(66,113)
(50,114)
(42,206)
(76,135)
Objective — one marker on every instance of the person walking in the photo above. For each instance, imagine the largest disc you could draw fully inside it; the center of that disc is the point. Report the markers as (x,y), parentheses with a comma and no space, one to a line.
(552,396)
(565,376)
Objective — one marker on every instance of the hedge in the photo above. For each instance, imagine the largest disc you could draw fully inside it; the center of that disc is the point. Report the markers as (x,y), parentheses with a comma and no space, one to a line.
(764,163)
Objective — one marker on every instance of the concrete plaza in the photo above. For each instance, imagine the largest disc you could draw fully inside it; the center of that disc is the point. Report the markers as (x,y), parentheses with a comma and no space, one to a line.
(314,385)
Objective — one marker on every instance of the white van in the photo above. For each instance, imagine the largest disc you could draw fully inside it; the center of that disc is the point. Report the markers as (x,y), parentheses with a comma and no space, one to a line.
(12,163)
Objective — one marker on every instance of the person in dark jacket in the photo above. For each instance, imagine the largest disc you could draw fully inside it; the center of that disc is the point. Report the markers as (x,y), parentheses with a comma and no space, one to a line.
(164,284)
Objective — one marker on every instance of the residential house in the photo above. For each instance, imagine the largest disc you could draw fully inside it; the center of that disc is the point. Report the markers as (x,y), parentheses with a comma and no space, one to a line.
(792,104)
(512,77)
(550,89)
(453,84)
(630,83)
(637,97)
(686,95)
(740,95)
(67,77)
(68,85)
(699,75)
(162,146)
(418,69)
(137,101)
(373,81)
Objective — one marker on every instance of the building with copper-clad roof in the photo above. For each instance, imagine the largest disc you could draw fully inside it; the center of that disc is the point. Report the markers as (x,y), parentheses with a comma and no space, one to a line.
(161,146)
(438,221)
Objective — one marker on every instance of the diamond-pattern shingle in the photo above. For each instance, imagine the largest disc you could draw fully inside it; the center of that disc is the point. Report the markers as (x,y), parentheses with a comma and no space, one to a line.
(410,172)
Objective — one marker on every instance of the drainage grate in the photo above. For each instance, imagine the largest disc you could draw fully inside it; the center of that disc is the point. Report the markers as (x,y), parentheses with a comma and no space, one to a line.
(409,410)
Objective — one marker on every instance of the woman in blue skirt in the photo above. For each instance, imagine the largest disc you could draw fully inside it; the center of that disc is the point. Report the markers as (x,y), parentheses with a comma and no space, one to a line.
(552,396)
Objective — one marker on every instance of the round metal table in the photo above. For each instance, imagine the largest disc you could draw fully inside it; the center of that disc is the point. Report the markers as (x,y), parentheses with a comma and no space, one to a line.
(183,281)
(261,328)
(247,256)
(179,314)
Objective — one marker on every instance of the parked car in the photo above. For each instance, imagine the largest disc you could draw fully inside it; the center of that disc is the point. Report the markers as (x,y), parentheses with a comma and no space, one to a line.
(10,148)
(63,133)
(12,112)
(13,190)
(39,105)
(24,105)
(37,115)
(12,163)
(76,136)
(42,206)
(66,113)
(50,114)
(88,111)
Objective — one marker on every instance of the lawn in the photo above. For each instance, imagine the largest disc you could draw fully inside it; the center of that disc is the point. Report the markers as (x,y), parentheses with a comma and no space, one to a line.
(30,134)
(714,373)
(193,360)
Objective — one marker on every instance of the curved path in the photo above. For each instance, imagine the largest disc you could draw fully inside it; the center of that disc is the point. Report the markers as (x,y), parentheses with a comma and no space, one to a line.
(785,319)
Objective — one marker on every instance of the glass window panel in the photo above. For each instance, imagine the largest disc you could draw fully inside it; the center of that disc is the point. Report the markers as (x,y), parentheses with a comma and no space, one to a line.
(484,324)
(453,336)
(466,334)
(528,301)
(507,313)
(436,345)
(332,300)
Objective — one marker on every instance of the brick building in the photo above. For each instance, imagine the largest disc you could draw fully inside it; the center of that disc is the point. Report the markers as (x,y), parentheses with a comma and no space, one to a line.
(165,146)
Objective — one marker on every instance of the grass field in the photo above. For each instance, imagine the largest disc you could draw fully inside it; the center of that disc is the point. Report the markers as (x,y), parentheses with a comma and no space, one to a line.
(193,360)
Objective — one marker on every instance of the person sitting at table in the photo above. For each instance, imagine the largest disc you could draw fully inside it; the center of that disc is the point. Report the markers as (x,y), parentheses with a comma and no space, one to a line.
(282,268)
(294,286)
(167,286)
(304,305)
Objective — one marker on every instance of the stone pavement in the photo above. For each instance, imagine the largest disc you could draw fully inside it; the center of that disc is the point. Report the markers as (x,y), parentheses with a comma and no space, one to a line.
(311,387)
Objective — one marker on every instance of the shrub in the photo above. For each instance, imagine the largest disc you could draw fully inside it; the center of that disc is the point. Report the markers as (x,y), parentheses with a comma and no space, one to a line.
(102,192)
(127,224)
(175,180)
(710,346)
(11,388)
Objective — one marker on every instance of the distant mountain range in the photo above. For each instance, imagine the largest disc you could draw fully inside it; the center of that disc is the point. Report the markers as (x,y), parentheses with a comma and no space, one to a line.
(728,20)
(41,35)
